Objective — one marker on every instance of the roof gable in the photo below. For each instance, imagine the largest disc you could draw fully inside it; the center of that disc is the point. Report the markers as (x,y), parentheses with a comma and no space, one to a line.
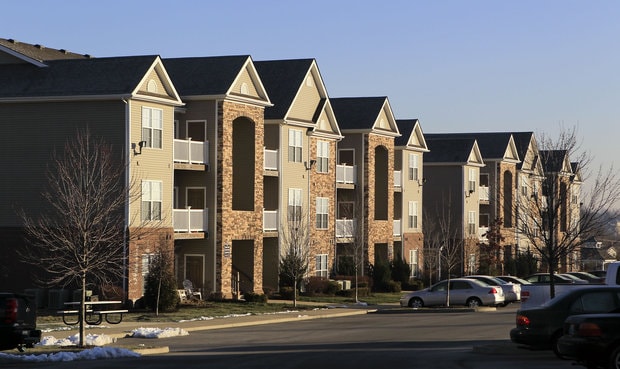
(411,135)
(497,146)
(157,84)
(555,161)
(453,151)
(326,124)
(282,79)
(248,85)
(365,114)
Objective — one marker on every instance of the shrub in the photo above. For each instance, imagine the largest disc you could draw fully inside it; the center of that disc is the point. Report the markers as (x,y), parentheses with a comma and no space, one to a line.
(168,295)
(255,297)
(287,293)
(381,277)
(401,271)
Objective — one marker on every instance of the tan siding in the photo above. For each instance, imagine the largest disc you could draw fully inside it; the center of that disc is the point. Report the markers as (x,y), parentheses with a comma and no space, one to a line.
(247,79)
(306,102)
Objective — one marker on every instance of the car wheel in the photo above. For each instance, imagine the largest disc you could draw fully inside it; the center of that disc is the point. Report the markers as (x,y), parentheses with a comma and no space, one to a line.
(554,345)
(416,302)
(614,359)
(473,302)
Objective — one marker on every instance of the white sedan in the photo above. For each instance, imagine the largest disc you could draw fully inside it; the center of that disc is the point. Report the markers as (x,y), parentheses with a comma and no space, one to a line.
(461,291)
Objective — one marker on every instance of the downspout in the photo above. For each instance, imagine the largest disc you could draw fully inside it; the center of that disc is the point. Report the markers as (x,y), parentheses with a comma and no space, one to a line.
(127,177)
(213,221)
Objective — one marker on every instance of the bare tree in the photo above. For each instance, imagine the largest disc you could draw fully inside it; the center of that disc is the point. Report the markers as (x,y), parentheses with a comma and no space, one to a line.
(295,249)
(559,214)
(443,239)
(79,236)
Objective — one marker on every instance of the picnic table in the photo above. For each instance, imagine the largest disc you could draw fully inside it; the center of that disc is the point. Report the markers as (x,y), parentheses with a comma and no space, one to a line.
(96,312)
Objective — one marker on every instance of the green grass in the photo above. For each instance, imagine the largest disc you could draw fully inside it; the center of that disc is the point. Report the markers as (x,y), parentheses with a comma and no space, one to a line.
(224,308)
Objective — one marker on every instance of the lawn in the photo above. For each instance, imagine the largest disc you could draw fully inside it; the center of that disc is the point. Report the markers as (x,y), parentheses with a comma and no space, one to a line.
(226,308)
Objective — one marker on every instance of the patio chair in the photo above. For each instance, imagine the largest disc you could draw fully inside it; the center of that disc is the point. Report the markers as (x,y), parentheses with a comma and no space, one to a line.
(190,292)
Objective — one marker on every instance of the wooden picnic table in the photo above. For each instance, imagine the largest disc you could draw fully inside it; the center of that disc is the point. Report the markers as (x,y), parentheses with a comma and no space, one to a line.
(95,312)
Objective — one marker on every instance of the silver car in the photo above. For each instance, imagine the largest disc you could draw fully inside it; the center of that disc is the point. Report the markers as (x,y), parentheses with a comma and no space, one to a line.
(512,291)
(463,291)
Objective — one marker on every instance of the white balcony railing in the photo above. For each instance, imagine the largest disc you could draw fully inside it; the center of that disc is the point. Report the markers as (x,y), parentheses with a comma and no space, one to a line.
(398,179)
(483,193)
(190,220)
(345,174)
(397,229)
(482,233)
(345,227)
(191,152)
(270,220)
(270,162)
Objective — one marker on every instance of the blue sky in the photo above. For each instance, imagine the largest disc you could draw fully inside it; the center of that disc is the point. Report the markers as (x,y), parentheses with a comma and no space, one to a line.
(458,66)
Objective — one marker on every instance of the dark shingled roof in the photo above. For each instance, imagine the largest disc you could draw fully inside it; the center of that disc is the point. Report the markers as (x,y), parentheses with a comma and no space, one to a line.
(522,142)
(282,80)
(492,145)
(357,112)
(448,149)
(204,75)
(39,52)
(70,77)
(552,160)
(405,127)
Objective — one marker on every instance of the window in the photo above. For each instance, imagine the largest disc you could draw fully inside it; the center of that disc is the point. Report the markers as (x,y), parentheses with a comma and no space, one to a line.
(471,223)
(413,263)
(147,260)
(524,186)
(322,211)
(152,127)
(413,214)
(472,180)
(294,204)
(321,265)
(151,200)
(413,167)
(294,145)
(322,154)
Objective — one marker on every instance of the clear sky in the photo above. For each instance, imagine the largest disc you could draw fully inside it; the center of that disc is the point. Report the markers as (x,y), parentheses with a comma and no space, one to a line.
(458,66)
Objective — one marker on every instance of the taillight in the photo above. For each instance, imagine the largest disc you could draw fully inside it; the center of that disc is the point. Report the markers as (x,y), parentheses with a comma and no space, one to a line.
(10,312)
(522,320)
(589,330)
(525,295)
(493,290)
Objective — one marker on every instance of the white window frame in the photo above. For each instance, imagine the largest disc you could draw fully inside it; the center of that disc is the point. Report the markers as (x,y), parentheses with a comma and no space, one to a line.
(152,127)
(294,204)
(524,187)
(414,263)
(471,223)
(472,180)
(414,167)
(322,156)
(321,266)
(151,200)
(412,219)
(295,145)
(322,212)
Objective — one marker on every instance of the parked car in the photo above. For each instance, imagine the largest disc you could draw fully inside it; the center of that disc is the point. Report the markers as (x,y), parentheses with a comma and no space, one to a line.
(541,326)
(512,292)
(599,273)
(463,291)
(592,340)
(591,278)
(575,279)
(544,278)
(18,320)
(513,279)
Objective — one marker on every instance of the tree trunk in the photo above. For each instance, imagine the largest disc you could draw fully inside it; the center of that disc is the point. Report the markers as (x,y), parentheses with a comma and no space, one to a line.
(82,311)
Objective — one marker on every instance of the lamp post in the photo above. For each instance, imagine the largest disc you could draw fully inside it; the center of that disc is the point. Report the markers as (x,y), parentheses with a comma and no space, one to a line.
(439,261)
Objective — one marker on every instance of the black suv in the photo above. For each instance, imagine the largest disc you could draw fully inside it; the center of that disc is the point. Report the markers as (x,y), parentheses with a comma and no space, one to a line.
(542,326)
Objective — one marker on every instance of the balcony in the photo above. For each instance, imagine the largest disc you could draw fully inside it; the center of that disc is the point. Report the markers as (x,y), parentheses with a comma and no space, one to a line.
(345,174)
(270,161)
(192,222)
(398,179)
(397,229)
(270,220)
(483,193)
(191,152)
(345,228)
(482,231)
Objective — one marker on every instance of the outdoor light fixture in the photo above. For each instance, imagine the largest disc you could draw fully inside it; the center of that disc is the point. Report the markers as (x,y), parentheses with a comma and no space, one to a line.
(137,149)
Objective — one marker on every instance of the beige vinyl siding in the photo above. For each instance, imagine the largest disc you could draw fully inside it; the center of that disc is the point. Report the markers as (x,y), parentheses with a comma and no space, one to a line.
(306,102)
(32,132)
(295,173)
(153,164)
(249,84)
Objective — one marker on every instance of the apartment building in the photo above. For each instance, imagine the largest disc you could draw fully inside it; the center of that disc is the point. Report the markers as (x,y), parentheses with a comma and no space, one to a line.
(129,101)
(365,190)
(451,201)
(409,149)
(301,137)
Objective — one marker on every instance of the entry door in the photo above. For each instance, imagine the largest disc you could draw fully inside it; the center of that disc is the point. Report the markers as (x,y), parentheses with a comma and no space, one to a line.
(194,269)
(196,198)
(197,130)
